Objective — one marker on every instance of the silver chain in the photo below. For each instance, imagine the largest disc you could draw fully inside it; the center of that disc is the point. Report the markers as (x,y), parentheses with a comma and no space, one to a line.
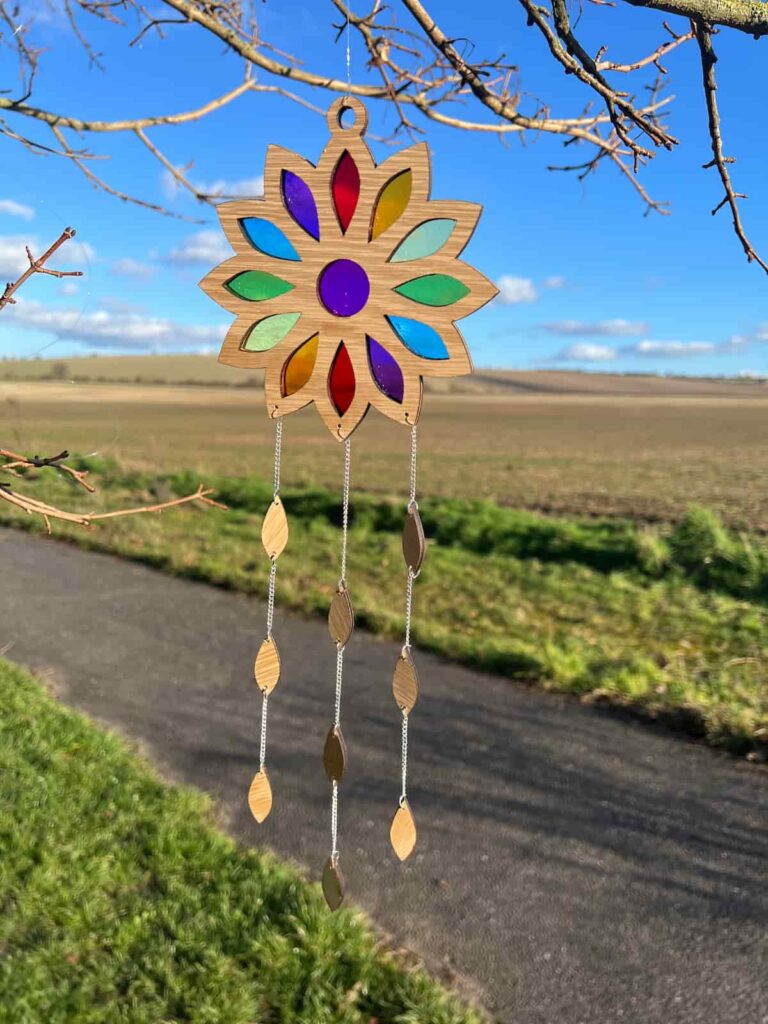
(278,452)
(404,757)
(263,744)
(345,510)
(412,504)
(271,596)
(271,592)
(412,496)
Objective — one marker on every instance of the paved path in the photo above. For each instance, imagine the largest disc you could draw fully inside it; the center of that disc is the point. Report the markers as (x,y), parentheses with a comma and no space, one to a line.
(572,868)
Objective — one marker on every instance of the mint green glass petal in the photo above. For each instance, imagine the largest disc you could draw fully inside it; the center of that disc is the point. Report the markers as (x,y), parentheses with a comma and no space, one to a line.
(433,290)
(424,240)
(256,285)
(268,332)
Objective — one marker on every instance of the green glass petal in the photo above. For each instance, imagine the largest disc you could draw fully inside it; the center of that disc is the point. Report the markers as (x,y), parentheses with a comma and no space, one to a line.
(268,332)
(433,290)
(424,240)
(256,285)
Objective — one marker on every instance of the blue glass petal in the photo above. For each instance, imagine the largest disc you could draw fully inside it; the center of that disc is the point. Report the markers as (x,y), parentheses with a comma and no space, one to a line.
(268,238)
(420,338)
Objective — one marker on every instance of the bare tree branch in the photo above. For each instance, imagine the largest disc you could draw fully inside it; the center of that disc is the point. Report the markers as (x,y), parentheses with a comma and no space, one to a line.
(37,266)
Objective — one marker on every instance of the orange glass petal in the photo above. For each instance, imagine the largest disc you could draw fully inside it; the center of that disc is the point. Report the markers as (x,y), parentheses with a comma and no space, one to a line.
(298,367)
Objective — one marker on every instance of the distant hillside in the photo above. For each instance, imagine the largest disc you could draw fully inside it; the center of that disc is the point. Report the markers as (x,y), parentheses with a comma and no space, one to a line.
(205,370)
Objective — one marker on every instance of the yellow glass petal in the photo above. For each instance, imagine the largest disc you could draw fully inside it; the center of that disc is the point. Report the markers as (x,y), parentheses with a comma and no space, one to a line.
(298,368)
(393,199)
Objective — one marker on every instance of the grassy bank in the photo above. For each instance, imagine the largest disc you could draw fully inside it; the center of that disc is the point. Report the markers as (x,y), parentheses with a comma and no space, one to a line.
(671,623)
(122,902)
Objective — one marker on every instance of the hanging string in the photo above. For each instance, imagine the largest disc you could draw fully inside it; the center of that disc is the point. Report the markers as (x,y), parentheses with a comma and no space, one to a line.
(339,646)
(412,507)
(349,57)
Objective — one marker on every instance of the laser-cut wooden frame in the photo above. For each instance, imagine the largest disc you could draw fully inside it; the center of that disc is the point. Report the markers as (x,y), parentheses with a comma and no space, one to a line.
(372,255)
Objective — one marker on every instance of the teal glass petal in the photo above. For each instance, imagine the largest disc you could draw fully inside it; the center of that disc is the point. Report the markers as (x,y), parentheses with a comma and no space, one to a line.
(268,332)
(424,240)
(420,338)
(268,238)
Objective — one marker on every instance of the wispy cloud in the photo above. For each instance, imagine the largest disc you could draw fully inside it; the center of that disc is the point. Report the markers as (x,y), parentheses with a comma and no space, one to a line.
(14,209)
(208,247)
(586,352)
(127,267)
(68,288)
(648,347)
(224,187)
(556,281)
(111,330)
(516,289)
(617,328)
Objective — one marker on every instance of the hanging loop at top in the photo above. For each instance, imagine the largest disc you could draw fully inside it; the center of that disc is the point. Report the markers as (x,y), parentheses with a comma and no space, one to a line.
(339,108)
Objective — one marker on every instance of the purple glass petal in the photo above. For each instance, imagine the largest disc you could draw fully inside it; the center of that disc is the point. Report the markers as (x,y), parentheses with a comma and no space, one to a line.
(385,370)
(300,203)
(344,287)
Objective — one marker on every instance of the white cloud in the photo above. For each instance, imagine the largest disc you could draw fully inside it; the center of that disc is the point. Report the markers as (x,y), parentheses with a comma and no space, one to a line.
(105,329)
(14,209)
(554,282)
(516,289)
(68,288)
(670,348)
(127,267)
(226,188)
(201,247)
(13,255)
(586,352)
(13,258)
(617,328)
(752,374)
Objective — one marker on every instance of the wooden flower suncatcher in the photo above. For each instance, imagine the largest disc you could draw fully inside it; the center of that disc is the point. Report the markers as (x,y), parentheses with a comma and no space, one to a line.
(346,284)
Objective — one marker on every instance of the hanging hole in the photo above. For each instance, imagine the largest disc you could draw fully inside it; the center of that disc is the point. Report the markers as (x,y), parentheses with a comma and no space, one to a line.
(347,114)
(346,118)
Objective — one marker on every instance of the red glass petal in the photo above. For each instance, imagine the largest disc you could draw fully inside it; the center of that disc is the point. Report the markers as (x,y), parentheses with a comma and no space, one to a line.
(341,380)
(345,189)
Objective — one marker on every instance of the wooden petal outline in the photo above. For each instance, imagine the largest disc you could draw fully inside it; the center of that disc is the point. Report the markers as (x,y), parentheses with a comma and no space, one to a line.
(274,530)
(266,667)
(260,796)
(402,831)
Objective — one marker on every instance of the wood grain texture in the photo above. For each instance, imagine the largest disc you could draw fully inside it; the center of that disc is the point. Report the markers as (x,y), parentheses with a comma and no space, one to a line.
(333,884)
(402,832)
(266,668)
(405,682)
(260,796)
(414,541)
(274,531)
(372,254)
(335,754)
(341,617)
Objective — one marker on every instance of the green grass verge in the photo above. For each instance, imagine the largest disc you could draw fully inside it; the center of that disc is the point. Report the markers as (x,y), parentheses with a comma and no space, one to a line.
(121,901)
(570,605)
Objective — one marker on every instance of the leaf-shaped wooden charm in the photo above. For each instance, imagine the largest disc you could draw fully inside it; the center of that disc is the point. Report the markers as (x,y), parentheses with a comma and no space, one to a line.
(274,532)
(402,832)
(414,542)
(405,682)
(266,669)
(333,884)
(341,618)
(335,754)
(260,796)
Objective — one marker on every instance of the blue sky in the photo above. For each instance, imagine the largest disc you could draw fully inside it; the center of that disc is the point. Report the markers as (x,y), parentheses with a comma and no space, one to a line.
(587,281)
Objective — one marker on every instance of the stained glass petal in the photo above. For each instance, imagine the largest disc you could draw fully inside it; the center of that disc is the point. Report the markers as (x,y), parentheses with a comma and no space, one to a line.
(268,332)
(419,337)
(256,285)
(392,201)
(385,371)
(300,203)
(345,189)
(268,238)
(341,380)
(298,367)
(434,290)
(425,240)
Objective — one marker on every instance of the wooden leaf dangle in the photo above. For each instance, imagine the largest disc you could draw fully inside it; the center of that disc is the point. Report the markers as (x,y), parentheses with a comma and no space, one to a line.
(402,832)
(335,754)
(414,542)
(274,532)
(266,668)
(405,682)
(341,618)
(333,884)
(260,796)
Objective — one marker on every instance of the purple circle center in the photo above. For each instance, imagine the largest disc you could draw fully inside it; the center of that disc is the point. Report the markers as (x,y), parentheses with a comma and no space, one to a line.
(344,288)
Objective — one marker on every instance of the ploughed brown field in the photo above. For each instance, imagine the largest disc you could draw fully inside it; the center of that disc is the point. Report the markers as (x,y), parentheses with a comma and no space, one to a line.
(557,441)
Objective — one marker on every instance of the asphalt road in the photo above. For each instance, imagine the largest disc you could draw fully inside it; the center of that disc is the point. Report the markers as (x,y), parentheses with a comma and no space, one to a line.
(572,867)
